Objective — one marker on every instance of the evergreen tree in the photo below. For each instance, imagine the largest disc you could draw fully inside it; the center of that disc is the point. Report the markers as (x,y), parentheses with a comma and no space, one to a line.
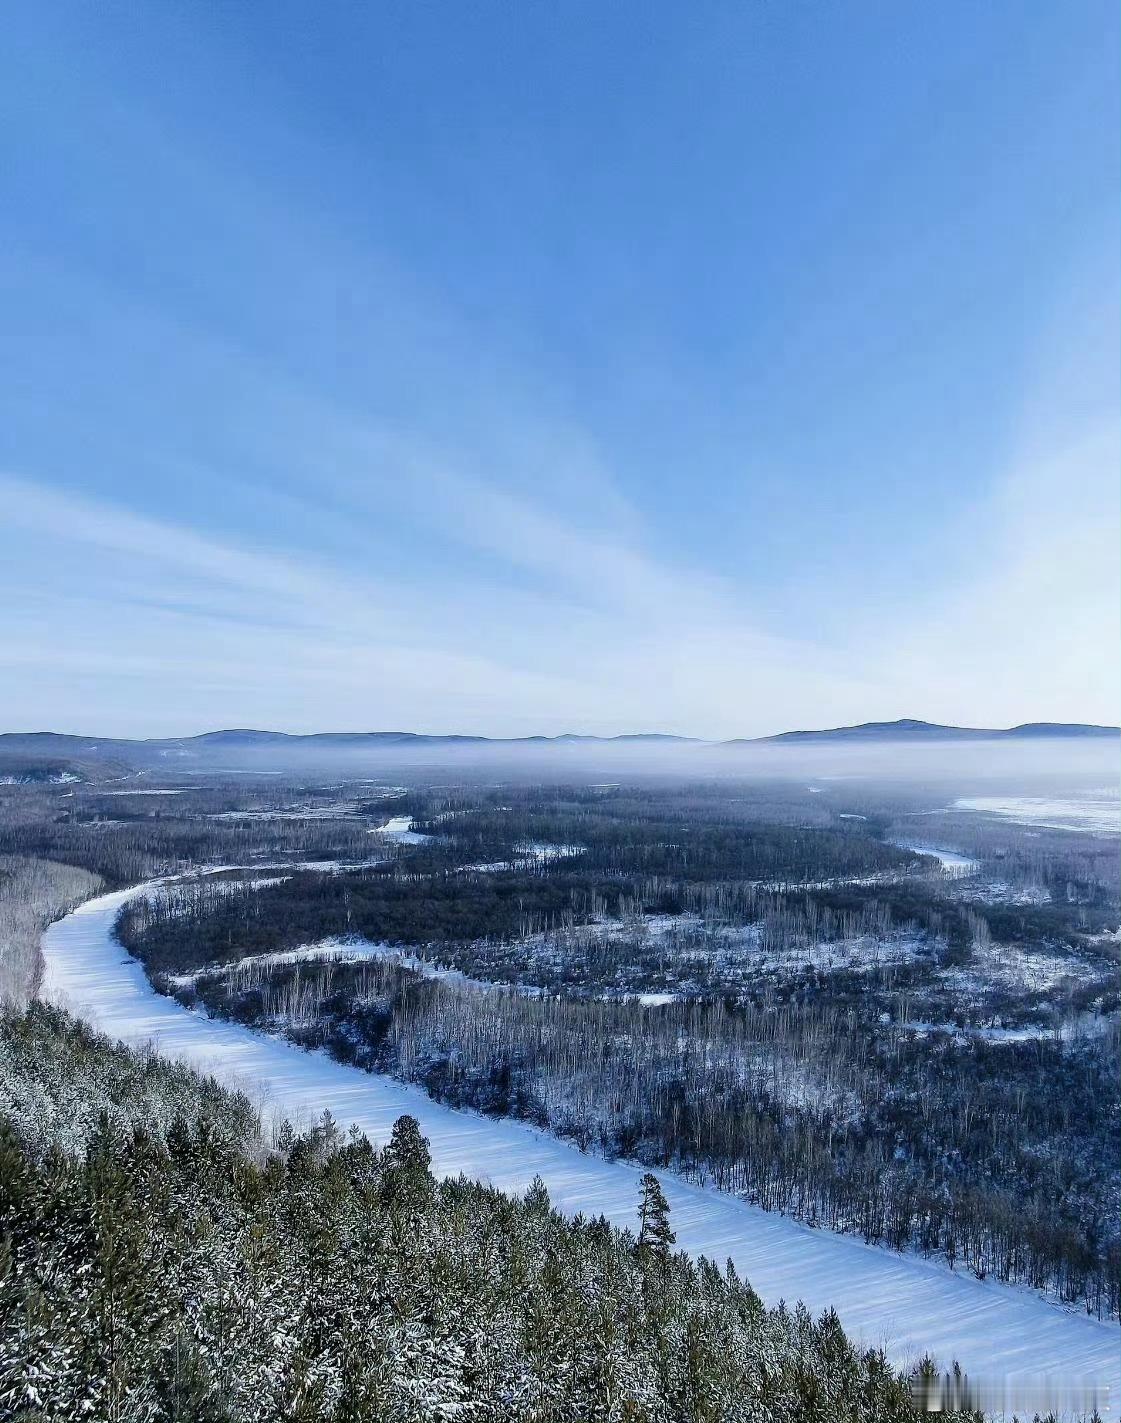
(407,1165)
(537,1197)
(185,1388)
(655,1236)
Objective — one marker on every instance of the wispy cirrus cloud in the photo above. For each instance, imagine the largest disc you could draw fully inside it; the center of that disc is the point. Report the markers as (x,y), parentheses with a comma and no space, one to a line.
(282,637)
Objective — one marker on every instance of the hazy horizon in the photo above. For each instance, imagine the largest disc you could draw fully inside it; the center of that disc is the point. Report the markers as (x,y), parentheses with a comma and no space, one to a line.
(1071,765)
(642,733)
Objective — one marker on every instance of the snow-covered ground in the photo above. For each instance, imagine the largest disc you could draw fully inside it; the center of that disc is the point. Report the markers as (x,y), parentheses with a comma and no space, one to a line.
(952,861)
(400,829)
(1098,812)
(336,810)
(333,950)
(318,866)
(1000,891)
(58,778)
(529,850)
(352,949)
(147,790)
(544,850)
(355,949)
(1020,1350)
(1085,1025)
(1016,969)
(685,939)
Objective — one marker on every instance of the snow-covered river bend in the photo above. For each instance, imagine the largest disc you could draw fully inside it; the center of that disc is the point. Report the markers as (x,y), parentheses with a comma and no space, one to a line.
(1024,1352)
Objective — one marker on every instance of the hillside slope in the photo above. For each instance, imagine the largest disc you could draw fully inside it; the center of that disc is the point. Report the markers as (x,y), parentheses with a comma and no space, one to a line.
(159,1267)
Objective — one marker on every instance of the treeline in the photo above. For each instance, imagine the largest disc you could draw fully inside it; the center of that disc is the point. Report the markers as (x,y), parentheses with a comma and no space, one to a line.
(541,924)
(990,1155)
(122,854)
(33,892)
(525,922)
(213,923)
(620,842)
(163,1270)
(1077,867)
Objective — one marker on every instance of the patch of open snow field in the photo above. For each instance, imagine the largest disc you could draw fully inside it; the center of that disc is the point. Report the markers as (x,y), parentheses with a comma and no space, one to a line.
(1014,967)
(331,950)
(337,810)
(292,866)
(952,861)
(400,829)
(543,850)
(1084,1025)
(148,790)
(998,891)
(1021,1351)
(1098,812)
(528,851)
(353,949)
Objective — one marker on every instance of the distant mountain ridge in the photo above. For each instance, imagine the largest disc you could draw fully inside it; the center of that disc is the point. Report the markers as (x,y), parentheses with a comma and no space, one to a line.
(215,747)
(908,729)
(24,754)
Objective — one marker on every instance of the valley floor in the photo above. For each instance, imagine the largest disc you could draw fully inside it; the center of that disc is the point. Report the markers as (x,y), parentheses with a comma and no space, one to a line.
(1020,1351)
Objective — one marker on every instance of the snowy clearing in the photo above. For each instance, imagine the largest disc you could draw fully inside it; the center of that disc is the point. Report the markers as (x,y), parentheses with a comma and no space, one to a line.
(1085,1025)
(999,891)
(688,936)
(325,951)
(1014,967)
(952,861)
(148,790)
(543,850)
(523,854)
(340,950)
(337,810)
(400,829)
(1020,1350)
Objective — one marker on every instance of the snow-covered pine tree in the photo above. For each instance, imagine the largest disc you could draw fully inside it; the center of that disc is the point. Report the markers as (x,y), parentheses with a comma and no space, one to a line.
(537,1197)
(407,1179)
(655,1236)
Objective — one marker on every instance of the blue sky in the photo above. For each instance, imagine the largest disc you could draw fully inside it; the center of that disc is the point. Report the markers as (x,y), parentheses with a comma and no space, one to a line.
(527,368)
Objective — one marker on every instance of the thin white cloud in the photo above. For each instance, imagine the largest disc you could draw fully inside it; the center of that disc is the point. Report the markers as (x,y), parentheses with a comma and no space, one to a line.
(284,639)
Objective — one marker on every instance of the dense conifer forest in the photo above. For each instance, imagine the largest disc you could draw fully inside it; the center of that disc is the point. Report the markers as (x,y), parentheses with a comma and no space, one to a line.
(159,1261)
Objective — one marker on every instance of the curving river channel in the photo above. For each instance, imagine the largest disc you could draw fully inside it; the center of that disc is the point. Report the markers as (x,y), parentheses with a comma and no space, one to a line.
(1023,1352)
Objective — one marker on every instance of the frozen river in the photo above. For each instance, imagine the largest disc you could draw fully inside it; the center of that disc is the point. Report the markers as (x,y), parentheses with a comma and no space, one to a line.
(1022,1351)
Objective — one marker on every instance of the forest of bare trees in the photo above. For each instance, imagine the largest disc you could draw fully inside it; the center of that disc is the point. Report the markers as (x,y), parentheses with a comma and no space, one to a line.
(32,893)
(985,1154)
